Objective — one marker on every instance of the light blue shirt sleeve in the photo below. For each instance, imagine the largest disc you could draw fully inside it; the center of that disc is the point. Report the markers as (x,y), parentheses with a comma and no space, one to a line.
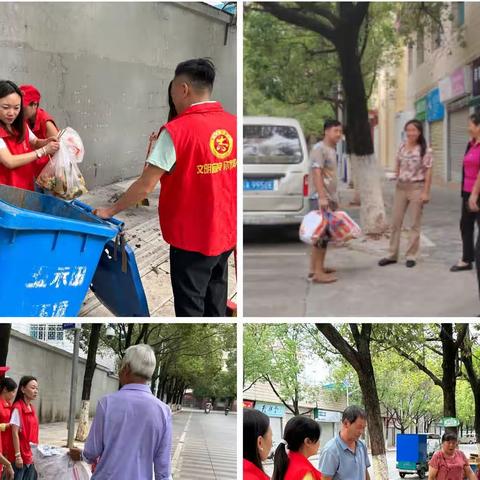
(329,462)
(162,462)
(163,154)
(94,444)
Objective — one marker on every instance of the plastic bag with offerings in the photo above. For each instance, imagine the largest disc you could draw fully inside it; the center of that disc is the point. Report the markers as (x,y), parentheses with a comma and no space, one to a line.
(61,175)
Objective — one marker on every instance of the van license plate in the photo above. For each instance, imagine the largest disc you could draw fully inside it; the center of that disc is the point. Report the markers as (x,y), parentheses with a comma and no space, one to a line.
(249,185)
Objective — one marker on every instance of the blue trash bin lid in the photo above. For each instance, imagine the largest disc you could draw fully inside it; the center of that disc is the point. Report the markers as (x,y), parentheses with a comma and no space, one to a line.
(121,292)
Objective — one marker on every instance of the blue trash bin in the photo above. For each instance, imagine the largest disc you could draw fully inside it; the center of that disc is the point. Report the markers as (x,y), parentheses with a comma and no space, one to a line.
(49,251)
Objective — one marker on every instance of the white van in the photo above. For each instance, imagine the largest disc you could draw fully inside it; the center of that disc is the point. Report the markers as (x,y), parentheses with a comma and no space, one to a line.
(275,171)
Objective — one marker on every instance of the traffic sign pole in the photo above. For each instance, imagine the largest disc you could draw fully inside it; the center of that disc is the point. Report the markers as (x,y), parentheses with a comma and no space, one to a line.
(73,387)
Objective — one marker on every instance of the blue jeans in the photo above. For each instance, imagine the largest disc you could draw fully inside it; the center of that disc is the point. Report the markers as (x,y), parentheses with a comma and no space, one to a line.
(27,472)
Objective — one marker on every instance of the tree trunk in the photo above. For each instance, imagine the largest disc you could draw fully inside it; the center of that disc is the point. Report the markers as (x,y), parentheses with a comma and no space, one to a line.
(449,370)
(91,365)
(474,380)
(359,138)
(361,361)
(5,329)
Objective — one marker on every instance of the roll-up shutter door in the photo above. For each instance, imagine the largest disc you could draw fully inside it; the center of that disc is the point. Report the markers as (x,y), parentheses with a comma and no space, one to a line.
(457,142)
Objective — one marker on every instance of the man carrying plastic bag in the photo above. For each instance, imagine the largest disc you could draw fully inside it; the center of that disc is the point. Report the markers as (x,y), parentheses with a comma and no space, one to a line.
(324,173)
(61,176)
(55,463)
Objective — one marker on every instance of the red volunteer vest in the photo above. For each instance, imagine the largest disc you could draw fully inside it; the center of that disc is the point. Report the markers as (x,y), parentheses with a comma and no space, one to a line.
(198,198)
(6,436)
(252,472)
(28,430)
(21,177)
(299,466)
(40,131)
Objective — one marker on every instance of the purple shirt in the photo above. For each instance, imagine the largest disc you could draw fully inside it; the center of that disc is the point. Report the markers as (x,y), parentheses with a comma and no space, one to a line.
(131,432)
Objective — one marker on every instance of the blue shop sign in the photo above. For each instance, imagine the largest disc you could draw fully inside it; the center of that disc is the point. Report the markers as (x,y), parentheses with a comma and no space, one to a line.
(435,108)
(271,409)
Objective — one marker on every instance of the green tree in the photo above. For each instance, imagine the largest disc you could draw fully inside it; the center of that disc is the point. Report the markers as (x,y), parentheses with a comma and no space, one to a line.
(273,354)
(424,345)
(354,344)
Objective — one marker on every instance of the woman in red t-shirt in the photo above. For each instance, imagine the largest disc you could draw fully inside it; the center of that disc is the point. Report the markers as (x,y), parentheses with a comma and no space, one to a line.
(257,443)
(449,463)
(8,389)
(301,440)
(25,426)
(19,147)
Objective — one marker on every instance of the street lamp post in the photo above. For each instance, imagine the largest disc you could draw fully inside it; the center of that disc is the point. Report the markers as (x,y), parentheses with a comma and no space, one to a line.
(73,387)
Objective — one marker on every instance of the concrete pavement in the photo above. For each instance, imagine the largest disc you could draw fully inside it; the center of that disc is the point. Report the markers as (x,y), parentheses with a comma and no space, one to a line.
(276,265)
(204,446)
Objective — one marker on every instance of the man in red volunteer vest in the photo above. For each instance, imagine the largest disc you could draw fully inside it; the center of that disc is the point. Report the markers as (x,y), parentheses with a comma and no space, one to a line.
(40,122)
(195,159)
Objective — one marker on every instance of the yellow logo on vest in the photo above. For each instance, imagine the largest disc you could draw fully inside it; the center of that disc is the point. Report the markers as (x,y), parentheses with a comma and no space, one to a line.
(221,144)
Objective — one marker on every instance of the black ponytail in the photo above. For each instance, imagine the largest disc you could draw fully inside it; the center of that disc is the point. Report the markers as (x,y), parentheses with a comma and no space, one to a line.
(421,138)
(296,431)
(8,384)
(255,424)
(24,381)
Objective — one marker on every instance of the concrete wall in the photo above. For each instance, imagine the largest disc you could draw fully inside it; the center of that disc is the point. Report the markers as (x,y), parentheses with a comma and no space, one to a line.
(104,69)
(52,367)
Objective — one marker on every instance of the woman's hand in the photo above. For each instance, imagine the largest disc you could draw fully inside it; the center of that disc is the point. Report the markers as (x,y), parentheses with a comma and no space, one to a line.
(425,197)
(18,462)
(52,139)
(52,146)
(473,203)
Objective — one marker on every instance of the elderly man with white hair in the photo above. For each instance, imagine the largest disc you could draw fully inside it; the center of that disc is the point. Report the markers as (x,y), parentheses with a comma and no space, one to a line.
(131,434)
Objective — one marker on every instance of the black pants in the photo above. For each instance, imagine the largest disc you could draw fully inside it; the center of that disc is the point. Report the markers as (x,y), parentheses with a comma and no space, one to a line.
(471,249)
(200,283)
(467,229)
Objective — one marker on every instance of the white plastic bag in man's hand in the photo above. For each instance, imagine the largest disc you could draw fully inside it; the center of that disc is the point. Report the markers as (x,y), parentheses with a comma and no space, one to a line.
(55,463)
(313,227)
(61,174)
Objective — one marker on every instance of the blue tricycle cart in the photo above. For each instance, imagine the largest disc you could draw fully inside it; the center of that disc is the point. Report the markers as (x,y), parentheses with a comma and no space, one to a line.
(412,455)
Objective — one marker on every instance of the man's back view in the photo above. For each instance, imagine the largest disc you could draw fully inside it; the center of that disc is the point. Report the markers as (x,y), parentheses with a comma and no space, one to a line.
(131,434)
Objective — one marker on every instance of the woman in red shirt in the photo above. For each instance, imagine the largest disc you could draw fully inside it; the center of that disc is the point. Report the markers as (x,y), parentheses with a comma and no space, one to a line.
(301,440)
(449,463)
(257,443)
(25,426)
(8,388)
(41,123)
(19,147)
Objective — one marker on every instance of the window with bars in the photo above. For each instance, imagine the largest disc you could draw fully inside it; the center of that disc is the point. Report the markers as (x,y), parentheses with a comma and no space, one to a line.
(459,13)
(420,47)
(410,58)
(436,37)
(42,331)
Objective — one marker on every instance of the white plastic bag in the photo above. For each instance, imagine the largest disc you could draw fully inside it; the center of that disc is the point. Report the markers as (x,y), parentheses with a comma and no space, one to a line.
(313,227)
(54,463)
(61,174)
